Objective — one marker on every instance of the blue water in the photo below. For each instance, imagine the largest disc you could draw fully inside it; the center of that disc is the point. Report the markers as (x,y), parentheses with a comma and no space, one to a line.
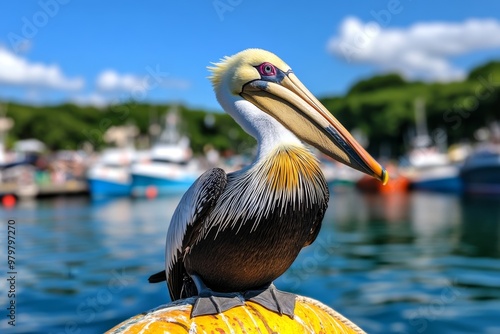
(417,263)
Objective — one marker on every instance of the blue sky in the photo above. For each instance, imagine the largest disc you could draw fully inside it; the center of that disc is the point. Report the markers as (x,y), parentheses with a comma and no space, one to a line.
(97,52)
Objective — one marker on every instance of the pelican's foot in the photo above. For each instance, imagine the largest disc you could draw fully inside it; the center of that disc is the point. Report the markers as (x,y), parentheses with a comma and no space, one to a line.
(273,299)
(212,302)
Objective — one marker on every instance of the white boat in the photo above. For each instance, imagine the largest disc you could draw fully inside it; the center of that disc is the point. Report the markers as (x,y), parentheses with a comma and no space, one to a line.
(433,171)
(170,168)
(429,167)
(110,175)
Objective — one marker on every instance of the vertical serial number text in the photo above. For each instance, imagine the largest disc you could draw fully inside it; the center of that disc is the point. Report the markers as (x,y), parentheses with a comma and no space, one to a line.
(11,272)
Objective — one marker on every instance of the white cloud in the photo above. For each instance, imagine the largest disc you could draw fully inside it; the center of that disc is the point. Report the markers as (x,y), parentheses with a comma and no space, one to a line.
(17,71)
(110,80)
(421,51)
(113,87)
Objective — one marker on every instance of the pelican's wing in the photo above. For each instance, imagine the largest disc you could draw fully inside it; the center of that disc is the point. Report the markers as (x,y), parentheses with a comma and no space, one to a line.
(316,227)
(195,205)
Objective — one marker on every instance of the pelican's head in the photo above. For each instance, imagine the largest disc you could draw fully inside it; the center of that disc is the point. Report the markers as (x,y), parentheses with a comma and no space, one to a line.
(266,81)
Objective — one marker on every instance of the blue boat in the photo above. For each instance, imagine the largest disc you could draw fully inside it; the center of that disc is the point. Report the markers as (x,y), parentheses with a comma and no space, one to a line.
(106,188)
(444,178)
(152,186)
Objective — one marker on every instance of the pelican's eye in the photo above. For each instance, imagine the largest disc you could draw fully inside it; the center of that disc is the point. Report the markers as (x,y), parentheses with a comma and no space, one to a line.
(267,70)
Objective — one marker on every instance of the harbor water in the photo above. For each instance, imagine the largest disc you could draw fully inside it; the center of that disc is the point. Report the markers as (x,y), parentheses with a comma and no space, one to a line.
(397,263)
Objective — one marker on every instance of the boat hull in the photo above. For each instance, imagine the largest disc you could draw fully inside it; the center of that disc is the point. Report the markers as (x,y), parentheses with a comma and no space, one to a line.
(106,188)
(450,184)
(438,178)
(152,186)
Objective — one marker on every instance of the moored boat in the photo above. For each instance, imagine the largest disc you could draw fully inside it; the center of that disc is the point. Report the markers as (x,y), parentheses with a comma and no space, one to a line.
(110,176)
(432,170)
(170,168)
(444,178)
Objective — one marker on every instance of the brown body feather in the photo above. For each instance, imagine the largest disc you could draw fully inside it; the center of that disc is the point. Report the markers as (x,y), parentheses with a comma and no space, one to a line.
(256,227)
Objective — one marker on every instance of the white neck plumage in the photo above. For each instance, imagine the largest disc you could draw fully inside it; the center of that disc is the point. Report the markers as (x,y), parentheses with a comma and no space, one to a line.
(268,132)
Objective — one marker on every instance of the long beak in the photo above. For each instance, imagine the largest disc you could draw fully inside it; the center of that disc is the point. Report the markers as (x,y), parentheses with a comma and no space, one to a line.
(291,103)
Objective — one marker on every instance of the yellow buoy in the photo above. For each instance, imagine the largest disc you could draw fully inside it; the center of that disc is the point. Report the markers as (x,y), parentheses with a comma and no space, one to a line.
(310,316)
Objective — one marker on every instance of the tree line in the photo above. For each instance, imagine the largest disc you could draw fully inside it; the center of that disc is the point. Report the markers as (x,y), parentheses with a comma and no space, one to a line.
(380,107)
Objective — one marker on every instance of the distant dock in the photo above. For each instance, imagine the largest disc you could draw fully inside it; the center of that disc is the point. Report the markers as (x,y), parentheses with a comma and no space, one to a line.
(68,188)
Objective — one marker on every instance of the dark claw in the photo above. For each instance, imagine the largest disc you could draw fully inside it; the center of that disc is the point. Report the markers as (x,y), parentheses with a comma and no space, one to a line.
(215,303)
(212,302)
(273,299)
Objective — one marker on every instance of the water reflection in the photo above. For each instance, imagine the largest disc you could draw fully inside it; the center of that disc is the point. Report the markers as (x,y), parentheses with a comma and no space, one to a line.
(398,263)
(407,263)
(480,233)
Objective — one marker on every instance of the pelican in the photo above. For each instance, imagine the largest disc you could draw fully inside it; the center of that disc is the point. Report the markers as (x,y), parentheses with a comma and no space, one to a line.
(233,234)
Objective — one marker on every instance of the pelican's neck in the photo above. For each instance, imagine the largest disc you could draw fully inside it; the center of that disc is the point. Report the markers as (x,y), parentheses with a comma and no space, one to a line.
(268,132)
